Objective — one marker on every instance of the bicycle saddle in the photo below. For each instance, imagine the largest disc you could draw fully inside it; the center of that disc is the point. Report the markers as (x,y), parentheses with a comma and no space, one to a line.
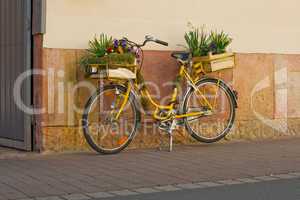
(182,55)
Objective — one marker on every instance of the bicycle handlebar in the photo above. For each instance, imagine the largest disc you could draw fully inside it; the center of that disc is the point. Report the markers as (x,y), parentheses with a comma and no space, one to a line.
(161,42)
(148,39)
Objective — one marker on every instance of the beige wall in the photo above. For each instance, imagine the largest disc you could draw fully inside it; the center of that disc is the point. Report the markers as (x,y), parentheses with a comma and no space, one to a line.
(256,25)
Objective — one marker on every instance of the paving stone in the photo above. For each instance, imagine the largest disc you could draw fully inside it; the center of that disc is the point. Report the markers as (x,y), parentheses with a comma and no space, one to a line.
(230,182)
(189,186)
(297,174)
(266,178)
(124,193)
(146,190)
(285,176)
(248,180)
(23,199)
(167,188)
(209,184)
(8,192)
(49,198)
(100,195)
(76,197)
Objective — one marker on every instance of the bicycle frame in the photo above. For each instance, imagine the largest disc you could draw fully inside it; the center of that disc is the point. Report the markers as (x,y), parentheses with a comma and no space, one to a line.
(144,92)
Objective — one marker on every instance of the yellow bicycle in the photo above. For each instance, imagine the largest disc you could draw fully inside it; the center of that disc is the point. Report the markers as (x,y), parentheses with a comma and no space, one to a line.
(113,114)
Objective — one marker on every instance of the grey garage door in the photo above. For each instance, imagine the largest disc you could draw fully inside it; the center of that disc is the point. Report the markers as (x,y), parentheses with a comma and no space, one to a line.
(15,58)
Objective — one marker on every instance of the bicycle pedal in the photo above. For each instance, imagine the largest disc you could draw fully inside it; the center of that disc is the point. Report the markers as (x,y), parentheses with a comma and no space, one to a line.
(163,127)
(180,122)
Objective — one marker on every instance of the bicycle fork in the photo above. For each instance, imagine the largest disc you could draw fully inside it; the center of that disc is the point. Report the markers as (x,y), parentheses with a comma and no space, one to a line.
(125,100)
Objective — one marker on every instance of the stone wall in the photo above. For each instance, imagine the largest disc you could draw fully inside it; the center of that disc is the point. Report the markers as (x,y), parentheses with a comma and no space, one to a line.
(268,87)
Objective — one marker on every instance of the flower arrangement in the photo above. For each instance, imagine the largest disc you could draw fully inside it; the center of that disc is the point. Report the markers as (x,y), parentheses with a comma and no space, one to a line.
(197,42)
(209,50)
(218,42)
(99,47)
(121,47)
(105,50)
(200,43)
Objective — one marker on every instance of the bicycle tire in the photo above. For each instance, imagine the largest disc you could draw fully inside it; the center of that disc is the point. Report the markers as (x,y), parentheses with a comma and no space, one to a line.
(133,102)
(231,99)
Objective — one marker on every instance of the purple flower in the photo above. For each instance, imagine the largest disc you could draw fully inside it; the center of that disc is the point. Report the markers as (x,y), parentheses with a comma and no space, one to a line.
(131,50)
(123,43)
(213,46)
(116,43)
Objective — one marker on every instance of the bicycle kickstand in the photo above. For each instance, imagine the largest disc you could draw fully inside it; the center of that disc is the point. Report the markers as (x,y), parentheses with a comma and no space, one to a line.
(173,126)
(169,131)
(170,142)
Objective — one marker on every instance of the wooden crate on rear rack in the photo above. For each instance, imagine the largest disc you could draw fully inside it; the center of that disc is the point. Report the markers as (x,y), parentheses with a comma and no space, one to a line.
(212,63)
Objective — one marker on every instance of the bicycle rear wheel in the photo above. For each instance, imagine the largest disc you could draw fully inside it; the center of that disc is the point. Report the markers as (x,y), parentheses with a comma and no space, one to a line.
(216,122)
(103,132)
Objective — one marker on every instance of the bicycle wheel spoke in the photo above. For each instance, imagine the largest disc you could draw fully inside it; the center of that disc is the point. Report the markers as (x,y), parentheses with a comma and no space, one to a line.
(214,123)
(105,132)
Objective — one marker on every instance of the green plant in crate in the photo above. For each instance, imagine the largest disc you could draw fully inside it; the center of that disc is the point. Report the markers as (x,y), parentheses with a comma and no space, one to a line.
(197,42)
(104,50)
(200,43)
(112,58)
(125,58)
(101,46)
(218,42)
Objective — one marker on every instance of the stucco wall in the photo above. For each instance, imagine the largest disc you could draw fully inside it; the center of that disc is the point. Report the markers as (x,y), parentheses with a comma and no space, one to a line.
(268,26)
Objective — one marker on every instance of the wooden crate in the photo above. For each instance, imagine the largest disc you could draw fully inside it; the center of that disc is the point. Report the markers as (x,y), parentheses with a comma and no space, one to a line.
(112,71)
(212,63)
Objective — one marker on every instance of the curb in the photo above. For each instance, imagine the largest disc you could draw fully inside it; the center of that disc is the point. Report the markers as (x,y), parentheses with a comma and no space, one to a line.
(169,188)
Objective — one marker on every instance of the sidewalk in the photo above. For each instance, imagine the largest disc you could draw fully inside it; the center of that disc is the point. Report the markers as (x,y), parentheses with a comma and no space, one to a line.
(6,153)
(59,175)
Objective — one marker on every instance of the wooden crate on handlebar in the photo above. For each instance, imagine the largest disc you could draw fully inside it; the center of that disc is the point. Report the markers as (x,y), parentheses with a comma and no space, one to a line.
(109,69)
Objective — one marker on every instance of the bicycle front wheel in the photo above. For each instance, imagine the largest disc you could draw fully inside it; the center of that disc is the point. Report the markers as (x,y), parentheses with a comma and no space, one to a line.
(106,130)
(214,99)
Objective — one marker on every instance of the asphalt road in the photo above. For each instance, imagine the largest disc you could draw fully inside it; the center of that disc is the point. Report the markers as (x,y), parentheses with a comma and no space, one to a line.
(272,190)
